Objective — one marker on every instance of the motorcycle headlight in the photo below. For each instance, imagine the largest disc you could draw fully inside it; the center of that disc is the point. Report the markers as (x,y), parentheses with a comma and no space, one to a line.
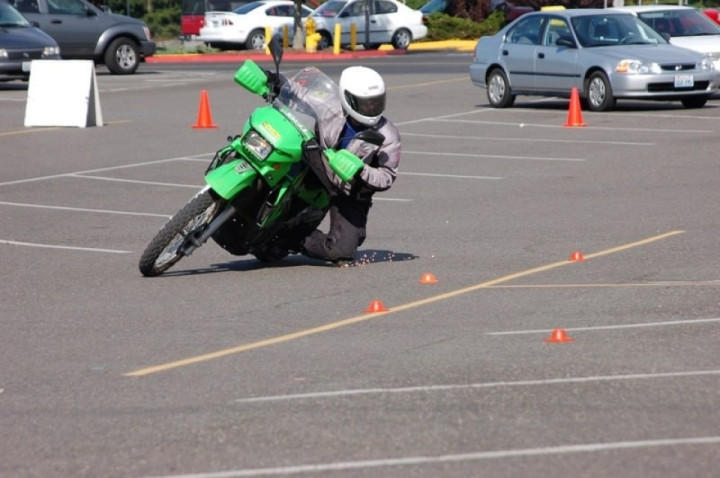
(637,67)
(257,145)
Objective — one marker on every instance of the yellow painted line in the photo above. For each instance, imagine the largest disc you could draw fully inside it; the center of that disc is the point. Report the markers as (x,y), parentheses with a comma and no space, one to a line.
(30,130)
(400,308)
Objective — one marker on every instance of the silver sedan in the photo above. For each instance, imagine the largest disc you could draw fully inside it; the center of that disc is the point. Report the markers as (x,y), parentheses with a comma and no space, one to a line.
(605,54)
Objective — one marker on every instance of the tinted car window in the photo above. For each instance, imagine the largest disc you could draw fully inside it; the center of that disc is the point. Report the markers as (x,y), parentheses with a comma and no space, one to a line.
(27,6)
(527,31)
(385,7)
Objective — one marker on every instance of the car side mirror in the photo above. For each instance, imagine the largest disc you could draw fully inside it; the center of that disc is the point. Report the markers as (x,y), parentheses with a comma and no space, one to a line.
(565,42)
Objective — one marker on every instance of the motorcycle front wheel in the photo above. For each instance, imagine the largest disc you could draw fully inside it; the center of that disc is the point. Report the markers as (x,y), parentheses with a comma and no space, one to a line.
(168,245)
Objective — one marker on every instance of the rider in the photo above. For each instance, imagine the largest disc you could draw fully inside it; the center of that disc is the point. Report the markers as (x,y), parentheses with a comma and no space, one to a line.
(372,168)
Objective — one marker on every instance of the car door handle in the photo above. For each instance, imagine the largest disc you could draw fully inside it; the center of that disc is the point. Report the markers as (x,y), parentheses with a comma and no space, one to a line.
(541,55)
(57,22)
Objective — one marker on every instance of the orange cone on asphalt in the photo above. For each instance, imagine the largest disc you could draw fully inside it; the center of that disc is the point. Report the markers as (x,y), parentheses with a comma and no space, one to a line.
(428,278)
(376,306)
(204,119)
(574,117)
(577,256)
(558,336)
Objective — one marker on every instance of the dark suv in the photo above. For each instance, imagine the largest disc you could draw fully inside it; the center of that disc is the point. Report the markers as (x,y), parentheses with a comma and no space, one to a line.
(86,32)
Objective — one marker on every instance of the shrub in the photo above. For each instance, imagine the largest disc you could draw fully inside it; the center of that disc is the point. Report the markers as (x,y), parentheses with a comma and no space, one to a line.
(446,27)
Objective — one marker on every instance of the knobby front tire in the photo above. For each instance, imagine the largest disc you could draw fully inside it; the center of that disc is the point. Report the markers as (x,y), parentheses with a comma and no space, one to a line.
(164,250)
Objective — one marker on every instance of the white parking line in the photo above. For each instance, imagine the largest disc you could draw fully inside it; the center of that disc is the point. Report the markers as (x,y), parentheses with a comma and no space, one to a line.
(533,140)
(495,156)
(71,248)
(458,176)
(99,170)
(604,128)
(482,385)
(460,457)
(136,181)
(610,327)
(80,209)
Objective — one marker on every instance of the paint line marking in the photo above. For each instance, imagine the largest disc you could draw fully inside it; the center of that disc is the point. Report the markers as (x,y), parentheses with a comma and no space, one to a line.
(610,327)
(677,283)
(494,156)
(71,248)
(456,176)
(533,140)
(604,128)
(135,181)
(474,386)
(400,308)
(455,458)
(80,209)
(99,170)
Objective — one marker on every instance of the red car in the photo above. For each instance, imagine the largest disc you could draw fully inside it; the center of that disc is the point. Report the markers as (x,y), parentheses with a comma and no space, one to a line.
(712,13)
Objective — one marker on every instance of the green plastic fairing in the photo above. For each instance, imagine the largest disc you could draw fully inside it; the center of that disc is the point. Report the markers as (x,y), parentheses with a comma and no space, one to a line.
(229,179)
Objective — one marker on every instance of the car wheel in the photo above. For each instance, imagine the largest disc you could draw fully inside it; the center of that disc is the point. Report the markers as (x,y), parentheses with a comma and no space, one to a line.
(401,39)
(325,41)
(121,57)
(694,101)
(599,92)
(256,40)
(498,89)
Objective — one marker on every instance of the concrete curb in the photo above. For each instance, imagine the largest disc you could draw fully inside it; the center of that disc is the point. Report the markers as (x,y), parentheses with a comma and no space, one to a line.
(235,57)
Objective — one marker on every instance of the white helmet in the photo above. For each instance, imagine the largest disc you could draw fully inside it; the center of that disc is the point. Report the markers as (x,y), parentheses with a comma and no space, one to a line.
(362,93)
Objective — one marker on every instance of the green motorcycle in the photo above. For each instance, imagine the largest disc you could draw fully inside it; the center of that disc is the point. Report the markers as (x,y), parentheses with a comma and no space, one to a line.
(258,187)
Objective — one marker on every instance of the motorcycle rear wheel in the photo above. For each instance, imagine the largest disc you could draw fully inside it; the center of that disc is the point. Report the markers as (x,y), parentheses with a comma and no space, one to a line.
(166,248)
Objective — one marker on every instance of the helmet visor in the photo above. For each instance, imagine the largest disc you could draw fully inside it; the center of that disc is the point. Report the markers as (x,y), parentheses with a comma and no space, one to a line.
(368,106)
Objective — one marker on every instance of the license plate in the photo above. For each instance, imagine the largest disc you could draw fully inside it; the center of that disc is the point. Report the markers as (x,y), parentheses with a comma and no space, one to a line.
(684,81)
(25,66)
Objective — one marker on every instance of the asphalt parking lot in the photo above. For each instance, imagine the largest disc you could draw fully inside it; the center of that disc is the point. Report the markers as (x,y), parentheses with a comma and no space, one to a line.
(223,367)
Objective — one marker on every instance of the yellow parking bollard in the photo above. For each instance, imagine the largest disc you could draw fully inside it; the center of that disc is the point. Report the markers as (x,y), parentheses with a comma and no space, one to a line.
(268,36)
(353,36)
(336,39)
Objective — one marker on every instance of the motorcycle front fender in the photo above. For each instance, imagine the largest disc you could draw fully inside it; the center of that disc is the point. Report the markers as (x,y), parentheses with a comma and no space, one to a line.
(229,179)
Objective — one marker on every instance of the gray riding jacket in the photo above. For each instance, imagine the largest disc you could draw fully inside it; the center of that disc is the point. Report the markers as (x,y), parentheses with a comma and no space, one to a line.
(381,163)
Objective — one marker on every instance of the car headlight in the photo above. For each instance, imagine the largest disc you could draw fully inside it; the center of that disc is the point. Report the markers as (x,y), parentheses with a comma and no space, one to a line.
(257,145)
(3,54)
(637,67)
(51,51)
(705,64)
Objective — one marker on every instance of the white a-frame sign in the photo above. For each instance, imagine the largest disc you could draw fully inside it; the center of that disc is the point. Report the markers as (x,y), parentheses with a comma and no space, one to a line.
(63,93)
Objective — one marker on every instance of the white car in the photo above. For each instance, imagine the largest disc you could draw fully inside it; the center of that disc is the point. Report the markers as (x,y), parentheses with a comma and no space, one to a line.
(685,26)
(245,26)
(390,22)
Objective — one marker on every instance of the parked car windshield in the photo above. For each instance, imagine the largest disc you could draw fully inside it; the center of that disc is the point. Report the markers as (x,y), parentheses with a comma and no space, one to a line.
(329,9)
(9,17)
(607,30)
(680,23)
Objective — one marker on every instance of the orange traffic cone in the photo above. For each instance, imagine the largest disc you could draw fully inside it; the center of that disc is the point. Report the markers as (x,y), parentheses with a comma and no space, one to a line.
(204,119)
(376,306)
(558,336)
(577,256)
(574,117)
(428,278)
